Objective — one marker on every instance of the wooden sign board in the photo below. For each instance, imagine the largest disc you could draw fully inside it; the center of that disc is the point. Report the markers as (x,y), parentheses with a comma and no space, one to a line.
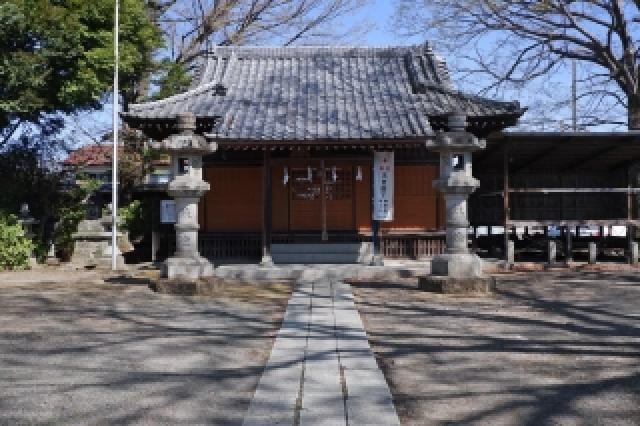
(383,185)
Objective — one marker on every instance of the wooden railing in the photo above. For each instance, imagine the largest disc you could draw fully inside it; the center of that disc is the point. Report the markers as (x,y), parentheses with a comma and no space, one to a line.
(249,245)
(218,246)
(412,246)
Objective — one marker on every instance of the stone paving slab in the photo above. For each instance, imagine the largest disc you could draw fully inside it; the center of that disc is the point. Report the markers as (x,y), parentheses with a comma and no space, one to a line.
(322,370)
(311,273)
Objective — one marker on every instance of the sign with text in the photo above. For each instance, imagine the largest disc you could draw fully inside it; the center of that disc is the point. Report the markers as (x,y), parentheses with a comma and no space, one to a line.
(167,211)
(383,185)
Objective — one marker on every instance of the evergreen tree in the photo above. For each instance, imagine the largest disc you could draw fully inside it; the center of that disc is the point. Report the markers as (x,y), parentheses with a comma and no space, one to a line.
(56,56)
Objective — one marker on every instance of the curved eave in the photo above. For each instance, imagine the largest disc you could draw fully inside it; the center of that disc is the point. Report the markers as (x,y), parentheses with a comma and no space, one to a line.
(481,125)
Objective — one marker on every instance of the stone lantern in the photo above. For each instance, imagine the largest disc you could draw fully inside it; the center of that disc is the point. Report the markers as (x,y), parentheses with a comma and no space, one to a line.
(457,270)
(186,187)
(28,222)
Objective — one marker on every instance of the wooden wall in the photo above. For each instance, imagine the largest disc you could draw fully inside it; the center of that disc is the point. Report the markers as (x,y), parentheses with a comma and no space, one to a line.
(234,203)
(279,200)
(363,200)
(415,201)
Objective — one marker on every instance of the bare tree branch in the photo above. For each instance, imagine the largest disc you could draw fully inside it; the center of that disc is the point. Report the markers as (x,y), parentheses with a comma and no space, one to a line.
(199,23)
(513,43)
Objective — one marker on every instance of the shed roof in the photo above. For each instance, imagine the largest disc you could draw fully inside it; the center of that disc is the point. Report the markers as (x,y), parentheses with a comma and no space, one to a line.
(559,152)
(321,93)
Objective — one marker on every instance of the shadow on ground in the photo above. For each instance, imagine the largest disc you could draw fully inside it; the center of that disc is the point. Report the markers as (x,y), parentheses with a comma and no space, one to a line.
(119,353)
(545,348)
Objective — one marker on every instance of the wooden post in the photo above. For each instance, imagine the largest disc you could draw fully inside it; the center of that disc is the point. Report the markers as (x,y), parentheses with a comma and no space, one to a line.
(267,209)
(155,237)
(505,199)
(323,196)
(593,252)
(568,247)
(630,228)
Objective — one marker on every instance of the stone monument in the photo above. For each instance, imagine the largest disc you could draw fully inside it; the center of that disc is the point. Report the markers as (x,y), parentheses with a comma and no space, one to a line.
(92,244)
(457,270)
(186,150)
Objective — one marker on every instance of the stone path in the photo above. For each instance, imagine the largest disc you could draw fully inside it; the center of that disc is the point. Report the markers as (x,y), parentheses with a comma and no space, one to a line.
(321,370)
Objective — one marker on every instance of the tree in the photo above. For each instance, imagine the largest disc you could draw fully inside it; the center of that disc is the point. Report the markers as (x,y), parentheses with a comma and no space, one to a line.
(512,43)
(56,57)
(190,26)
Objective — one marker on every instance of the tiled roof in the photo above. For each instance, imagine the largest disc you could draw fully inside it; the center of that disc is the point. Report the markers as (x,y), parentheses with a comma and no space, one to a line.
(90,155)
(299,93)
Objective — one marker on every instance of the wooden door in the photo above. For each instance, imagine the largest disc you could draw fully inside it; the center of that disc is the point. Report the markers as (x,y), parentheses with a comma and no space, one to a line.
(305,200)
(339,197)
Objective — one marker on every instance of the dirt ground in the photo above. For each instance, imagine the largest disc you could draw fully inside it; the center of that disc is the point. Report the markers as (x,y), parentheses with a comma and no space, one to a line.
(546,348)
(75,349)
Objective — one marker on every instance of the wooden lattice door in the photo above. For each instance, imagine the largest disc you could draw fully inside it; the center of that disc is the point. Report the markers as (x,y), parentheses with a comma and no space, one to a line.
(305,199)
(339,197)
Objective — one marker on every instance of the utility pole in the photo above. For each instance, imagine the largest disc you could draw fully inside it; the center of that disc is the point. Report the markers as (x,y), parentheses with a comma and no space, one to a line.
(114,165)
(574,97)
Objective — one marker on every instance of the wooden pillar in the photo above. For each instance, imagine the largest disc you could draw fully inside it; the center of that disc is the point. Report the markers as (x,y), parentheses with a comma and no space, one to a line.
(323,197)
(375,225)
(632,255)
(266,209)
(505,199)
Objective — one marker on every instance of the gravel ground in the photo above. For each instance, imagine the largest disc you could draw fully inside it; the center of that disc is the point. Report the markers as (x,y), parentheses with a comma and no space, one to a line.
(77,350)
(547,348)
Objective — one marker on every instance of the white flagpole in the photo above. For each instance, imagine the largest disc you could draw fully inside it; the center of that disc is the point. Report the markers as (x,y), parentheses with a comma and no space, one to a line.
(114,166)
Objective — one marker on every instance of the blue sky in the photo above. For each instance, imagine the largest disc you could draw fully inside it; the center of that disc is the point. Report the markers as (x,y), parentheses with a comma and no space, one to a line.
(377,13)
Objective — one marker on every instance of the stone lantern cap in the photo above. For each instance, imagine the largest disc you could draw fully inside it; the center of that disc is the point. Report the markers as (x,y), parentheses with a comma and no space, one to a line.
(457,183)
(187,187)
(185,141)
(457,138)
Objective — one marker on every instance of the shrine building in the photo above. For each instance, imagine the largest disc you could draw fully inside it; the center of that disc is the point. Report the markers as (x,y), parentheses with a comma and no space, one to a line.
(296,131)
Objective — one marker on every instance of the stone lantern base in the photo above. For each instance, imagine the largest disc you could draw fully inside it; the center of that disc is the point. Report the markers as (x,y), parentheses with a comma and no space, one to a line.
(187,268)
(457,273)
(457,265)
(451,285)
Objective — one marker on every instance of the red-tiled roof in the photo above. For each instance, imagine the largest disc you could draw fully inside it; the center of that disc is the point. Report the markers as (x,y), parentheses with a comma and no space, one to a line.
(90,155)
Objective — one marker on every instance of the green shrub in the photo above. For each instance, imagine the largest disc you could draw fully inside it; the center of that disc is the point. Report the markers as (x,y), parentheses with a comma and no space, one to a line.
(136,219)
(15,247)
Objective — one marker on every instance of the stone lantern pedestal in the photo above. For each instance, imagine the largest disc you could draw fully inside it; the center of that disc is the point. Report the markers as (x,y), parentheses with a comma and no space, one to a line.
(457,270)
(186,187)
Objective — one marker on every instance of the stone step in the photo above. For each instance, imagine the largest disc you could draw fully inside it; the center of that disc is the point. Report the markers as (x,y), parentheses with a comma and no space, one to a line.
(322,253)
(322,248)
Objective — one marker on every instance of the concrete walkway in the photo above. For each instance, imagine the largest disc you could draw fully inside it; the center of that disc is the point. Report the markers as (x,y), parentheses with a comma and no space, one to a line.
(322,370)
